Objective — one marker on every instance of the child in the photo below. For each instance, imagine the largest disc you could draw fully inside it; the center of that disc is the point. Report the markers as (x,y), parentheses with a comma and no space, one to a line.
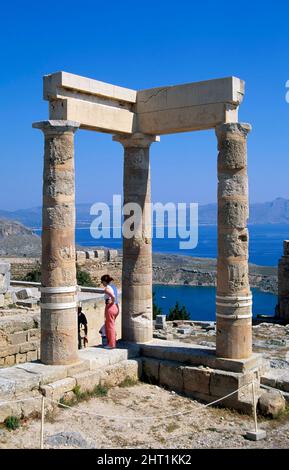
(102,332)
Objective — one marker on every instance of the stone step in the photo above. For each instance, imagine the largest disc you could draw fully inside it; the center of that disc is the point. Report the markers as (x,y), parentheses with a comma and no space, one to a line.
(276,378)
(20,389)
(197,355)
(201,383)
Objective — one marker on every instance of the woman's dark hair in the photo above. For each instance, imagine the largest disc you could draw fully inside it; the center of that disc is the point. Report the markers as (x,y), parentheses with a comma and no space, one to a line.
(106,278)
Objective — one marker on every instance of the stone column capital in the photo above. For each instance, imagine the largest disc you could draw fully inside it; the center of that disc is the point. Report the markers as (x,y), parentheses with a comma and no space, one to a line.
(138,140)
(237,128)
(55,127)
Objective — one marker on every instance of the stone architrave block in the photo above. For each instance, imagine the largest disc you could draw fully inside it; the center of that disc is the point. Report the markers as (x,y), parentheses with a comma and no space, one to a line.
(24,294)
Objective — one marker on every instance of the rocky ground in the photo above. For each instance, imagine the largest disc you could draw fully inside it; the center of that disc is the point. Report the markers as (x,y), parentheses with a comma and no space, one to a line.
(146,416)
(272,340)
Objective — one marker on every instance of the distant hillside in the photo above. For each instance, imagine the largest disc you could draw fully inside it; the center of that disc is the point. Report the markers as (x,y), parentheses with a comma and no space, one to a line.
(273,212)
(15,239)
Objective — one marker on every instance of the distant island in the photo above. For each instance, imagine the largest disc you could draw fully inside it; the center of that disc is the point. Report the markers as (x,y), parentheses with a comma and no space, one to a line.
(272,212)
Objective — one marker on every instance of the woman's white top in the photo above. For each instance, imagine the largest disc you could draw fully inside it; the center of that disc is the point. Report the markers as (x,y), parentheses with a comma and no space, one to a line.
(112,290)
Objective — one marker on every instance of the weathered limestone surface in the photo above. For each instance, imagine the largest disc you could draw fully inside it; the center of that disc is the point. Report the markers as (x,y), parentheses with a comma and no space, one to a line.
(4,277)
(108,108)
(234,323)
(31,380)
(137,250)
(19,338)
(58,325)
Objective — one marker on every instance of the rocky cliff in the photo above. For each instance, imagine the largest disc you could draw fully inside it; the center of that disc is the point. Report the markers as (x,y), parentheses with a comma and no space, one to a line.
(17,240)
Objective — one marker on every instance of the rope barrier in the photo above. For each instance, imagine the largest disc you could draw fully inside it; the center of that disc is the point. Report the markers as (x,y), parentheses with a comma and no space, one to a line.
(141,418)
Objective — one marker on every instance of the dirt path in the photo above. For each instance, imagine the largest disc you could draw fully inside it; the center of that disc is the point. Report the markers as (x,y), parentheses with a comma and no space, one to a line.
(198,428)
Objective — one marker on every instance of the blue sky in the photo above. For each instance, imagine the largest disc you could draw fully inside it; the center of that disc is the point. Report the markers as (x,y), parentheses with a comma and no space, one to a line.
(141,45)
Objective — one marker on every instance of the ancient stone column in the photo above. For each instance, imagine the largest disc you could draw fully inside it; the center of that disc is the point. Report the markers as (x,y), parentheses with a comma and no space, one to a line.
(58,273)
(234,299)
(282,309)
(137,249)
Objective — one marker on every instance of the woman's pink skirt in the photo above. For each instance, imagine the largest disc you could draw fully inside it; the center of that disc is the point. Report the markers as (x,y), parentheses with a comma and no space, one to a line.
(111,312)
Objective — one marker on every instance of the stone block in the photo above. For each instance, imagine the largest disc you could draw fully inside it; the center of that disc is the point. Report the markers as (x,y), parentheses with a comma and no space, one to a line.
(150,370)
(45,373)
(10,360)
(117,373)
(23,380)
(23,294)
(10,409)
(78,368)
(30,408)
(80,256)
(95,358)
(184,331)
(29,346)
(271,403)
(160,322)
(89,255)
(88,380)
(7,388)
(117,355)
(32,356)
(196,379)
(277,378)
(256,435)
(222,383)
(100,254)
(4,277)
(56,390)
(2,300)
(112,255)
(18,338)
(20,358)
(33,334)
(171,375)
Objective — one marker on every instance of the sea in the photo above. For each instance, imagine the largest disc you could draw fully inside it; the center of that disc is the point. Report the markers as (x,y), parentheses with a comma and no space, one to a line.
(265,249)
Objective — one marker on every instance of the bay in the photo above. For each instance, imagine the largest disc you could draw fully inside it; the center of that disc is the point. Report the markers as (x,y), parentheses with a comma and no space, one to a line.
(200,301)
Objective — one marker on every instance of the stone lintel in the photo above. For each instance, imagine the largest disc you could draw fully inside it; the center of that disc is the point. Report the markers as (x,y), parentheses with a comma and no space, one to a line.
(56,84)
(107,108)
(228,90)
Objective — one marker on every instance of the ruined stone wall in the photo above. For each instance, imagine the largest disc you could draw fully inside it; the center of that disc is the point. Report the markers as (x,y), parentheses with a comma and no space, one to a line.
(97,268)
(20,331)
(19,337)
(20,267)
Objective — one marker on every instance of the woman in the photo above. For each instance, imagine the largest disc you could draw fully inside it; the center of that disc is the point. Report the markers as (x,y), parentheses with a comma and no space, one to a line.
(111,309)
